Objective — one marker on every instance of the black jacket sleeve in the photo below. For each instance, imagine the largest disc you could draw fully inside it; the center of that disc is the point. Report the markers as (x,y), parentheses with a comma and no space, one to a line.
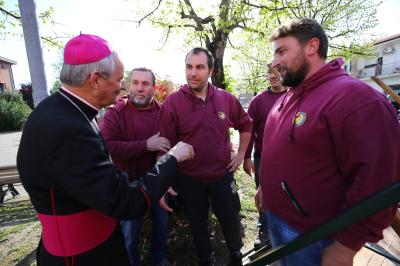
(82,170)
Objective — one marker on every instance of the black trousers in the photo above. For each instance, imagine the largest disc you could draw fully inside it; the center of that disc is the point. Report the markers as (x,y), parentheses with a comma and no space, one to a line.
(196,197)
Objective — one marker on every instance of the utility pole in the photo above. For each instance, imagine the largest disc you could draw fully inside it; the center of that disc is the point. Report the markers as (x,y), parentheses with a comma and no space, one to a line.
(33,50)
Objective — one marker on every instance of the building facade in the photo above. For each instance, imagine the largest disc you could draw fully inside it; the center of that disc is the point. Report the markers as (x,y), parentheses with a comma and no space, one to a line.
(385,64)
(6,74)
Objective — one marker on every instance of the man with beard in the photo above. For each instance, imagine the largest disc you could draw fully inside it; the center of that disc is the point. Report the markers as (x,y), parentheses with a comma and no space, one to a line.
(258,110)
(66,169)
(202,114)
(329,143)
(128,129)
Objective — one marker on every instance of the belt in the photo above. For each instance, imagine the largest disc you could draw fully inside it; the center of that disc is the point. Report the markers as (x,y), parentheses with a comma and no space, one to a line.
(73,234)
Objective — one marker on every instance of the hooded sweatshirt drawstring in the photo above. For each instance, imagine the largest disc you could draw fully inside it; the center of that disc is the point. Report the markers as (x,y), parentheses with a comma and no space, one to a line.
(195,100)
(301,96)
(291,134)
(283,101)
(213,104)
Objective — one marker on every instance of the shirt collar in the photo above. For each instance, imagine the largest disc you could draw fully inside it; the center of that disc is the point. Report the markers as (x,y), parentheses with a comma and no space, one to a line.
(88,109)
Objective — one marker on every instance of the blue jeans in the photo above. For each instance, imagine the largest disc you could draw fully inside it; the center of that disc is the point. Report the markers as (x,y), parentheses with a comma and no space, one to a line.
(131,231)
(281,233)
(262,216)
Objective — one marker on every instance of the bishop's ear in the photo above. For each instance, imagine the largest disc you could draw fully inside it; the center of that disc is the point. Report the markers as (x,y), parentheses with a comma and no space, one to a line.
(95,79)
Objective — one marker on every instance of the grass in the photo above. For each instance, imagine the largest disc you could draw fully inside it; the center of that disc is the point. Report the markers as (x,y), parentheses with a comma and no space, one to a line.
(17,212)
(19,243)
(4,233)
(181,250)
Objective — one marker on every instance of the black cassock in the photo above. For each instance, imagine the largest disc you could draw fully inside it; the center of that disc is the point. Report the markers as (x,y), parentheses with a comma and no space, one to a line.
(76,190)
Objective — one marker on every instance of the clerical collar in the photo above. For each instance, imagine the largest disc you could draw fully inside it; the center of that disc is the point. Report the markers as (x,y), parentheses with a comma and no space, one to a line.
(88,109)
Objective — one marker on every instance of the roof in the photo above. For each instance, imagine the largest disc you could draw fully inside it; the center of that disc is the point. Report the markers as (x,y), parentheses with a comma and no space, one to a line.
(11,62)
(389,38)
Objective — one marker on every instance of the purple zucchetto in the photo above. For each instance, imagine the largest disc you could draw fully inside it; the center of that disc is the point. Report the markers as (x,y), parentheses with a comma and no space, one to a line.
(85,49)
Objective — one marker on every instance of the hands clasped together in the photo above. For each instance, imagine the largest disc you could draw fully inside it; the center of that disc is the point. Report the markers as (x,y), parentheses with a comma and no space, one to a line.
(182,151)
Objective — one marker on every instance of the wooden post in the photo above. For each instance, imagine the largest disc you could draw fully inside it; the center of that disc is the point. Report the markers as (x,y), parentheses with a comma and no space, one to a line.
(386,89)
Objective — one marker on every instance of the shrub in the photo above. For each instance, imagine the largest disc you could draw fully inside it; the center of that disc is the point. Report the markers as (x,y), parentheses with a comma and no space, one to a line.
(162,89)
(13,112)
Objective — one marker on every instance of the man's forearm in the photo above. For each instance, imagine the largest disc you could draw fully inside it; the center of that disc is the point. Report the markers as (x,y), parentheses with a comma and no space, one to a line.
(244,139)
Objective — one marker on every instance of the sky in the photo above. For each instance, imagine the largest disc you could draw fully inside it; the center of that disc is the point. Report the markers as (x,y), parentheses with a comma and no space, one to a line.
(136,46)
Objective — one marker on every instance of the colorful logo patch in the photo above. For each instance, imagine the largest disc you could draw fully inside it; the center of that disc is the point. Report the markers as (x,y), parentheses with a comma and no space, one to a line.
(221,115)
(299,119)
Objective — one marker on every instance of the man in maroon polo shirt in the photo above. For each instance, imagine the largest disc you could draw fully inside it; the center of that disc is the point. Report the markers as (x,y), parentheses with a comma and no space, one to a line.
(201,114)
(258,110)
(128,130)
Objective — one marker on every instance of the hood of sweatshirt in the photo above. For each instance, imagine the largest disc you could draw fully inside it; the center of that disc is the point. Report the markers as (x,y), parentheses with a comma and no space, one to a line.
(191,96)
(327,72)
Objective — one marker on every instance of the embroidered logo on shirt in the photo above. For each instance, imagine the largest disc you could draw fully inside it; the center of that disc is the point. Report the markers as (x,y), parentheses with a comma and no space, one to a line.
(299,119)
(221,115)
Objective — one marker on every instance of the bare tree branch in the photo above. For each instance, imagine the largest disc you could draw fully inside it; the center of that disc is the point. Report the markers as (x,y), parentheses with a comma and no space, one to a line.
(208,20)
(163,24)
(341,34)
(344,48)
(230,43)
(245,53)
(51,41)
(192,14)
(262,34)
(274,9)
(148,14)
(9,13)
(166,38)
(325,17)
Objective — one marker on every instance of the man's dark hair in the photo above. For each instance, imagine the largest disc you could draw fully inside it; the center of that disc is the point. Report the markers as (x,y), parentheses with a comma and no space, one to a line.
(304,30)
(143,69)
(198,50)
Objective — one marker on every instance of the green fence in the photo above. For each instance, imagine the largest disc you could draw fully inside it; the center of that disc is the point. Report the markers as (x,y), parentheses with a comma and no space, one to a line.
(379,201)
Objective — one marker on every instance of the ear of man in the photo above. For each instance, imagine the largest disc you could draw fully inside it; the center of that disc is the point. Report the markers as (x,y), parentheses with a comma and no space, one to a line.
(312,47)
(95,79)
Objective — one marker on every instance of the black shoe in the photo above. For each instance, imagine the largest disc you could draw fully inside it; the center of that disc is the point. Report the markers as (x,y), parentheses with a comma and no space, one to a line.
(261,240)
(236,259)
(208,262)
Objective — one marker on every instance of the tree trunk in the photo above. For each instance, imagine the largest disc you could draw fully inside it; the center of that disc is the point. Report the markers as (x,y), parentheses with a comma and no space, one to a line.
(33,50)
(217,49)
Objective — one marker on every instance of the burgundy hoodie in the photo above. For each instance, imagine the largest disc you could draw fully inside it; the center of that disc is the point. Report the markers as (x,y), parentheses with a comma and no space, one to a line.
(259,109)
(205,125)
(343,147)
(125,130)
